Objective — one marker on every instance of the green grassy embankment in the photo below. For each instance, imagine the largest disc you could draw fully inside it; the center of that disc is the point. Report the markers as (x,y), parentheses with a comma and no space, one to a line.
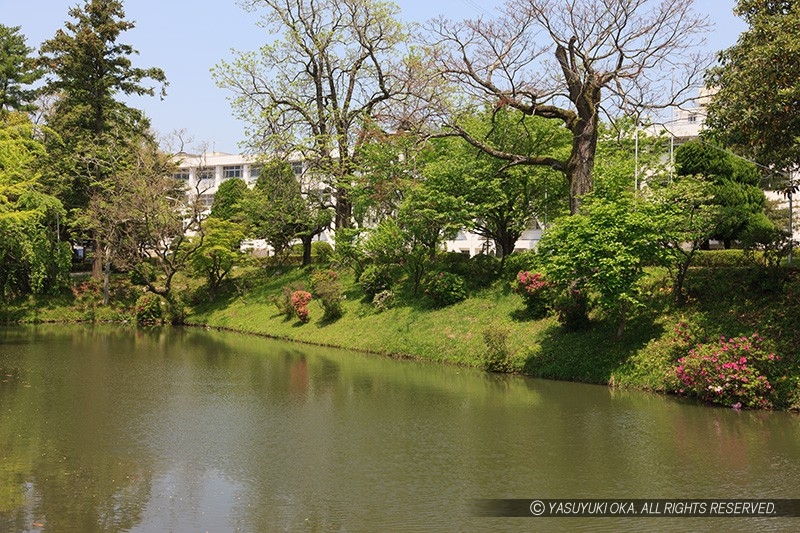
(723,301)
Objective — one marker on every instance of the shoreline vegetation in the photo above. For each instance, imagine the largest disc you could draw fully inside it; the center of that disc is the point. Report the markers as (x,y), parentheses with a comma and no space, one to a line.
(734,343)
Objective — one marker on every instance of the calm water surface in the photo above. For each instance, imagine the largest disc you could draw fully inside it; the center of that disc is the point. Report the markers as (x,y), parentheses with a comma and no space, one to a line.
(193,430)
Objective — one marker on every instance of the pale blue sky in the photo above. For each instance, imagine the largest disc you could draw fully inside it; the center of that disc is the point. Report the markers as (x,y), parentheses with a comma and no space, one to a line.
(187,37)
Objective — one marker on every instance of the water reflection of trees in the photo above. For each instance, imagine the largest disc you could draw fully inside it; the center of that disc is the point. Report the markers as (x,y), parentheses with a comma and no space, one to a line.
(58,471)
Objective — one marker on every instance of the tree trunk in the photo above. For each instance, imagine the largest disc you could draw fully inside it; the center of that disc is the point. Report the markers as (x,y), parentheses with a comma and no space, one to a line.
(580,164)
(306,240)
(344,209)
(106,281)
(97,259)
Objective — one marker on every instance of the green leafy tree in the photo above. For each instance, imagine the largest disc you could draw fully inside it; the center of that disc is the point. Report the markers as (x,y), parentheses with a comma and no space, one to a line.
(755,108)
(390,163)
(32,258)
(18,72)
(278,210)
(330,65)
(628,158)
(227,199)
(411,240)
(503,199)
(735,186)
(685,216)
(219,253)
(88,68)
(147,224)
(602,253)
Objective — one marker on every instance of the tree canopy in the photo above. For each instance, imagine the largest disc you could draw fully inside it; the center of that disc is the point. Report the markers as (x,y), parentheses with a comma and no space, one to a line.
(87,68)
(18,72)
(756,107)
(570,62)
(502,199)
(734,182)
(310,89)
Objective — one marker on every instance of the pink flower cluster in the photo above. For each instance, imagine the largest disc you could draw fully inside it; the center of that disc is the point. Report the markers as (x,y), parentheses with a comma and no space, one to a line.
(532,282)
(730,372)
(300,300)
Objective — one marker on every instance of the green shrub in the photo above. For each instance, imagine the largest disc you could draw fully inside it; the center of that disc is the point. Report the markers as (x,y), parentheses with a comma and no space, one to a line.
(321,252)
(383,300)
(497,357)
(721,258)
(320,279)
(518,262)
(146,272)
(375,279)
(325,285)
(482,270)
(454,262)
(572,307)
(444,288)
(149,309)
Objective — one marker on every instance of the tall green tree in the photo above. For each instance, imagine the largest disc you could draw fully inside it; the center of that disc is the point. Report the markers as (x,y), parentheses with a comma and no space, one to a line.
(330,65)
(147,224)
(685,216)
(756,107)
(32,258)
(601,253)
(18,72)
(227,199)
(88,69)
(220,252)
(279,211)
(503,199)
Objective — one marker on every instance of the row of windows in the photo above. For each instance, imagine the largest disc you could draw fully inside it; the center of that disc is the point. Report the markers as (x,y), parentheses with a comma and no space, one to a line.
(228,172)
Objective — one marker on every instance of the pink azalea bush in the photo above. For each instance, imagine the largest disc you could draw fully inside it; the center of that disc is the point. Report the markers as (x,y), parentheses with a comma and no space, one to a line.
(734,372)
(535,290)
(300,300)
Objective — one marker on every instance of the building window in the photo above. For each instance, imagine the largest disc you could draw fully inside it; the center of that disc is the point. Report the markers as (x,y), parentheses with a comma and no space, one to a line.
(206,173)
(297,168)
(692,118)
(255,171)
(182,174)
(233,171)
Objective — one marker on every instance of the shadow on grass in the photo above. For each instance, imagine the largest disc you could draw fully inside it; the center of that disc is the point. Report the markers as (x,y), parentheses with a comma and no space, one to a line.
(589,355)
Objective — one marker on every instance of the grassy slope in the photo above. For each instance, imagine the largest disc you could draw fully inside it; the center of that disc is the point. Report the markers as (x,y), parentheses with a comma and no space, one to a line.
(723,301)
(726,301)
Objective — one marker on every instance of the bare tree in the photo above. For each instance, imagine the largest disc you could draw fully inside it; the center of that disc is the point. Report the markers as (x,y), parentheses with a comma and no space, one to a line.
(308,93)
(571,61)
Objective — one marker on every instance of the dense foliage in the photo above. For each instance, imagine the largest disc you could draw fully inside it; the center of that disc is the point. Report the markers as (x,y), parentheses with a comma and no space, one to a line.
(757,83)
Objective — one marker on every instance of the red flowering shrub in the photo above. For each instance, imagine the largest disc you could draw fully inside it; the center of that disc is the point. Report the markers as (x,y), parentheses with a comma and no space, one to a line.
(536,291)
(300,301)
